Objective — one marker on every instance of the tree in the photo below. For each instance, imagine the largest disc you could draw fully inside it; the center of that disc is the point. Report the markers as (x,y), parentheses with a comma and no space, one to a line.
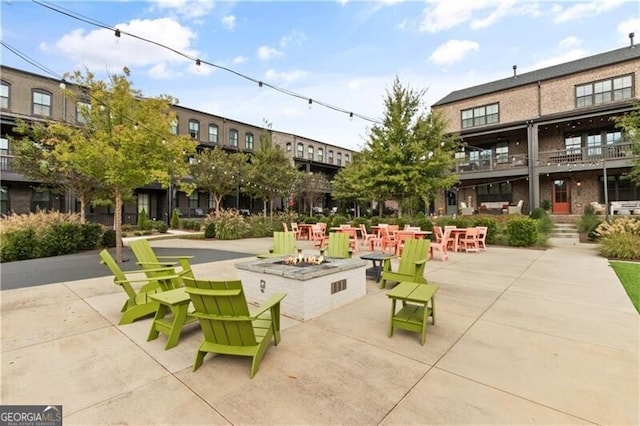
(131,143)
(350,183)
(312,188)
(56,155)
(271,174)
(219,172)
(408,154)
(630,123)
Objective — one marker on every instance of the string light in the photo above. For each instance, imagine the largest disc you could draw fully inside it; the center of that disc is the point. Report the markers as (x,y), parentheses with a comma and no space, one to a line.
(67,12)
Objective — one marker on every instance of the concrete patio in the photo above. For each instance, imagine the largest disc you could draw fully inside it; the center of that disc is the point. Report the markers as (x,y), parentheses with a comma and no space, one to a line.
(522,337)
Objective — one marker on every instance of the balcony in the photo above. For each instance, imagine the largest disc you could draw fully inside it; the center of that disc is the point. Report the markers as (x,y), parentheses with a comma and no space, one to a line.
(586,155)
(489,163)
(6,163)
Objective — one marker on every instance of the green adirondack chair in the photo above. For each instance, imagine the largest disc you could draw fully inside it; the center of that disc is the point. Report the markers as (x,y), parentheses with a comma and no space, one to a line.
(147,258)
(284,244)
(138,303)
(412,263)
(228,326)
(338,246)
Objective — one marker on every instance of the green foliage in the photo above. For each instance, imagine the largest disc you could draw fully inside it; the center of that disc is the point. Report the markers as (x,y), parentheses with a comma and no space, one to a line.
(219,172)
(588,222)
(629,275)
(91,236)
(191,224)
(230,225)
(144,223)
(260,226)
(522,232)
(175,219)
(492,227)
(545,205)
(159,226)
(630,123)
(19,244)
(210,230)
(619,238)
(538,213)
(624,246)
(61,238)
(109,238)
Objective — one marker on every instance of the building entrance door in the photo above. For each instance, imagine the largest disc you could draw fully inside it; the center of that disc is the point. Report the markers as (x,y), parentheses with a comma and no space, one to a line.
(561,203)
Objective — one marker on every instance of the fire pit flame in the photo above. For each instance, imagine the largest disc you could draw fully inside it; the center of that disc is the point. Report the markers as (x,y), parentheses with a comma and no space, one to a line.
(308,260)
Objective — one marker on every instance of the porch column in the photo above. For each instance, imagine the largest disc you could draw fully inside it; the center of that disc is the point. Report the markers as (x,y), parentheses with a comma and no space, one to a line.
(534,176)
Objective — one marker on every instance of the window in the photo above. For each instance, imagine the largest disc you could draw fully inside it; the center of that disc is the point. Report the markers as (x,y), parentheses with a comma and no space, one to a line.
(300,152)
(603,91)
(289,147)
(502,152)
(194,129)
(41,200)
(143,203)
(213,133)
(495,192)
(174,127)
(4,95)
(4,146)
(193,200)
(41,103)
(339,162)
(310,152)
(233,137)
(320,154)
(212,202)
(83,108)
(594,145)
(4,200)
(619,188)
(479,116)
(330,156)
(248,141)
(573,144)
(346,159)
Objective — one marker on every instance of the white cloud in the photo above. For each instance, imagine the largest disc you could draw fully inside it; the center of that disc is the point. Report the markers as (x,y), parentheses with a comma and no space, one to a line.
(239,60)
(571,55)
(569,42)
(295,38)
(441,15)
(631,25)
(581,10)
(160,72)
(266,53)
(229,22)
(186,8)
(100,49)
(285,77)
(453,51)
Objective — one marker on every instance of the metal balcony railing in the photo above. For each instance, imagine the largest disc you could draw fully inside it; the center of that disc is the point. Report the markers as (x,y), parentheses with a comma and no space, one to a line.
(589,154)
(492,162)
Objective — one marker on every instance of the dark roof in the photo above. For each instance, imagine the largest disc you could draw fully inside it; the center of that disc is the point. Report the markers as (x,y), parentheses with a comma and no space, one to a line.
(583,64)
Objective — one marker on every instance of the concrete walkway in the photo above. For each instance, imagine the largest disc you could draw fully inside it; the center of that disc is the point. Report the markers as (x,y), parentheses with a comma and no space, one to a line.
(522,336)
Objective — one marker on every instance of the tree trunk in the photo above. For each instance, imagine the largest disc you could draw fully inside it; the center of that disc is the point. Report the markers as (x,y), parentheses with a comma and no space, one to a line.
(218,201)
(117,225)
(271,208)
(83,217)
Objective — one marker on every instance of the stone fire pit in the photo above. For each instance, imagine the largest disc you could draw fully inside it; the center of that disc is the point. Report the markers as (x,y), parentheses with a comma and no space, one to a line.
(312,288)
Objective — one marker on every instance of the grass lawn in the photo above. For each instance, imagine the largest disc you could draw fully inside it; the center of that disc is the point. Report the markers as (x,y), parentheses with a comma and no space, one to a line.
(629,275)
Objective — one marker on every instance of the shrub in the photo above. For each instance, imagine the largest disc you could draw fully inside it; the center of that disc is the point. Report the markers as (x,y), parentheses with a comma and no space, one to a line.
(538,213)
(210,230)
(588,222)
(546,205)
(492,227)
(61,238)
(624,246)
(109,238)
(229,224)
(91,236)
(522,232)
(191,224)
(160,226)
(175,219)
(143,221)
(19,244)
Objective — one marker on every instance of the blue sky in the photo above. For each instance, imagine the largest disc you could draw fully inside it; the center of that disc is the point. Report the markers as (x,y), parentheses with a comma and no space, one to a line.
(343,53)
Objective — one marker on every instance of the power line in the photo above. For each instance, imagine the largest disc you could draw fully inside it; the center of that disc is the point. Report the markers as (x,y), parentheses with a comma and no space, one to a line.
(118,33)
